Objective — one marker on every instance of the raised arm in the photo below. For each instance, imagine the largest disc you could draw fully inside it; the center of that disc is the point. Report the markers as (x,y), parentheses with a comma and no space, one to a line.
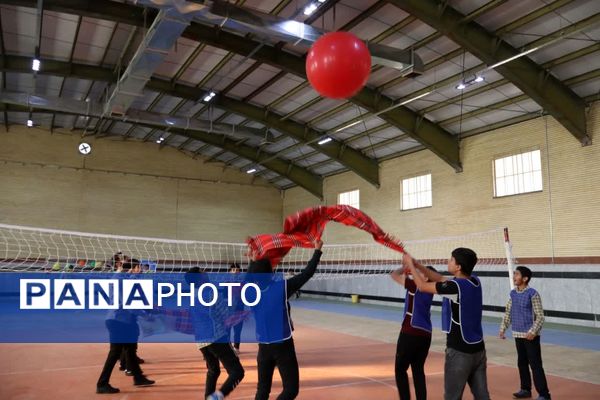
(399,276)
(422,284)
(433,276)
(297,281)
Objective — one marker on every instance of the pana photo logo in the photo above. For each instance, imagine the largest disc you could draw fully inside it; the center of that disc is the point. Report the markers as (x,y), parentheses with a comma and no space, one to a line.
(133,294)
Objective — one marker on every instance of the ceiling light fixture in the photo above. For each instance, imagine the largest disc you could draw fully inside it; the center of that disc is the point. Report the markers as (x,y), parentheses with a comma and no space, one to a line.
(209,96)
(325,140)
(311,8)
(465,84)
(251,171)
(36,64)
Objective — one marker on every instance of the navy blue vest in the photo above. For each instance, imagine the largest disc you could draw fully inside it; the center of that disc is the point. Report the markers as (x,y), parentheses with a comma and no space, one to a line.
(421,310)
(471,309)
(271,315)
(521,312)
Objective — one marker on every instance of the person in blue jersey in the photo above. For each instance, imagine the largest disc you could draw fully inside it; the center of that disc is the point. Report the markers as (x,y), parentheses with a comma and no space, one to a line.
(124,363)
(207,326)
(524,310)
(123,336)
(415,337)
(282,353)
(462,311)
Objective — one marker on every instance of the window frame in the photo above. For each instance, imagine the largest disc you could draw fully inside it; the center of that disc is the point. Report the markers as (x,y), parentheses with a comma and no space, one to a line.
(349,191)
(412,176)
(519,152)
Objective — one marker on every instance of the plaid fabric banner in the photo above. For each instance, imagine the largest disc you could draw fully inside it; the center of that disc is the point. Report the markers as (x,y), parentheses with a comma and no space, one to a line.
(306,226)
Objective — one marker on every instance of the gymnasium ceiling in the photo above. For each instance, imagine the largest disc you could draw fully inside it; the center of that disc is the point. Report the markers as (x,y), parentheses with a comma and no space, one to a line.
(270,119)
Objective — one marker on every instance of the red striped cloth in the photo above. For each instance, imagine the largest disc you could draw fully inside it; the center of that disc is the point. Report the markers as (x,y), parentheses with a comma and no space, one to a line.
(306,226)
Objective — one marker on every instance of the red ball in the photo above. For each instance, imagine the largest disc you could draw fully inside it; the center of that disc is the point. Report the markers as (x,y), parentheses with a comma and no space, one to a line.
(338,65)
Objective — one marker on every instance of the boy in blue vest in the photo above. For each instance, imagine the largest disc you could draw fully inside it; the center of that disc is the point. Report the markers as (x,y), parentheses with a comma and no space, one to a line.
(415,337)
(282,354)
(524,310)
(462,310)
(208,325)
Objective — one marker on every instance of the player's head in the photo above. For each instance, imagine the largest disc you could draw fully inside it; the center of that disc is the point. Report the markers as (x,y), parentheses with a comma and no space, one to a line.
(196,276)
(234,268)
(136,266)
(116,262)
(522,276)
(261,266)
(462,260)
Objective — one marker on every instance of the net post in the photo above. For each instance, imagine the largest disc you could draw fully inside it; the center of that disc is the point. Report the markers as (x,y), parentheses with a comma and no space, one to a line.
(510,260)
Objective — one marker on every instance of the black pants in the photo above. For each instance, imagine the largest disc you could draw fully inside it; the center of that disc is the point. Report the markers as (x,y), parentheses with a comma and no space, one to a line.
(237,335)
(120,332)
(283,356)
(221,352)
(123,359)
(412,351)
(529,354)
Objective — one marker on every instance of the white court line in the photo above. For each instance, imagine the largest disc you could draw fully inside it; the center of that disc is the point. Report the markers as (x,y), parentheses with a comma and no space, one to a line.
(382,382)
(318,387)
(32,371)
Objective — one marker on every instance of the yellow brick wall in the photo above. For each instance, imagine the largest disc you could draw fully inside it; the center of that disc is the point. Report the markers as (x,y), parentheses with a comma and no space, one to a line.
(45,182)
(568,207)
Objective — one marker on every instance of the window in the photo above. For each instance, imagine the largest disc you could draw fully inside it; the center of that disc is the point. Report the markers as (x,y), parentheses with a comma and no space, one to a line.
(351,198)
(416,192)
(519,173)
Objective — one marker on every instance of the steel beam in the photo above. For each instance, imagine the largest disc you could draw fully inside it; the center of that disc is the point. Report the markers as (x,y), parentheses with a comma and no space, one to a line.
(551,94)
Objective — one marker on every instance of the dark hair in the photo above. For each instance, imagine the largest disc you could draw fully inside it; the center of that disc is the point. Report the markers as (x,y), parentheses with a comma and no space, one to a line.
(525,272)
(117,257)
(126,266)
(260,266)
(195,275)
(429,267)
(466,258)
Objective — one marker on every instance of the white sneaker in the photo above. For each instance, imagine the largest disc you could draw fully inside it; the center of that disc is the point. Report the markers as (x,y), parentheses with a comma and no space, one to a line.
(216,396)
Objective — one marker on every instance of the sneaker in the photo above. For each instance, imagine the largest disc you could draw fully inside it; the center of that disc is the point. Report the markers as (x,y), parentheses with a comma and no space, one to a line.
(216,396)
(522,394)
(140,360)
(128,372)
(543,398)
(106,389)
(122,368)
(142,381)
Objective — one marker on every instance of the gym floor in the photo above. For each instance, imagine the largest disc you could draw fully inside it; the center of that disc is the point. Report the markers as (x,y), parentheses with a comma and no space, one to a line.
(343,354)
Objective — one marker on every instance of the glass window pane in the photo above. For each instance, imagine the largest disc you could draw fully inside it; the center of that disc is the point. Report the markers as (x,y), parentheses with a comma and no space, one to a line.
(500,187)
(499,167)
(520,173)
(527,166)
(508,167)
(528,182)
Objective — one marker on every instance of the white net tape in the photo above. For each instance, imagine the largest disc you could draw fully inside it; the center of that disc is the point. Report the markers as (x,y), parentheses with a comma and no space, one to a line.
(34,249)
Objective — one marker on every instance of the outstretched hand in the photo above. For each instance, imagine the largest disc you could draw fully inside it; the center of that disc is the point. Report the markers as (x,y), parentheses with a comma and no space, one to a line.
(408,261)
(318,244)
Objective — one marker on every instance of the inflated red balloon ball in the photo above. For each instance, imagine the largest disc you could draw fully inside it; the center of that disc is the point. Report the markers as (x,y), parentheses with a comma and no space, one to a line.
(338,65)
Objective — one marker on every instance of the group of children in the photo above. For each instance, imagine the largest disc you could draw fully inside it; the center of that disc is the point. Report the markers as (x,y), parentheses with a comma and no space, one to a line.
(462,310)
